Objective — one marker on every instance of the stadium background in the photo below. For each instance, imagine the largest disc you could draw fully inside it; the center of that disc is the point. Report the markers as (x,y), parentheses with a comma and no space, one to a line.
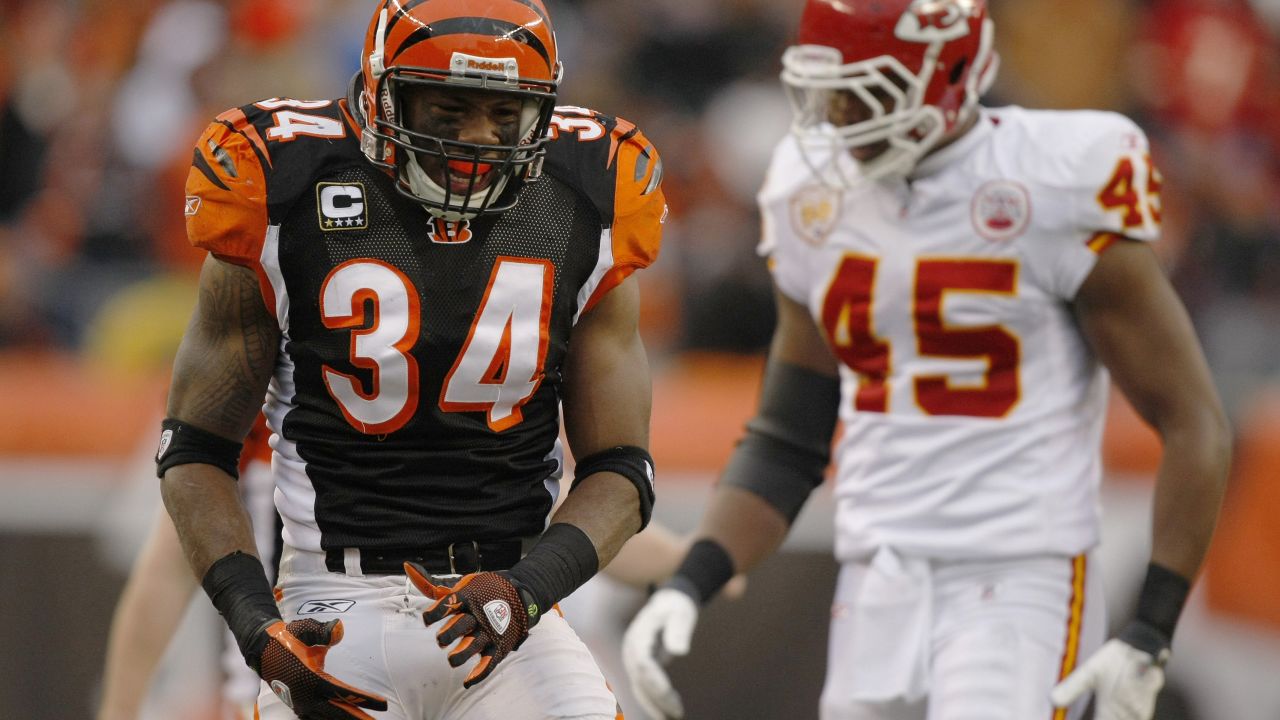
(100,101)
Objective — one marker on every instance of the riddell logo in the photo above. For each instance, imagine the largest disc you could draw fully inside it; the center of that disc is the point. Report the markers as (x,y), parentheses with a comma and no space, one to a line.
(462,64)
(485,65)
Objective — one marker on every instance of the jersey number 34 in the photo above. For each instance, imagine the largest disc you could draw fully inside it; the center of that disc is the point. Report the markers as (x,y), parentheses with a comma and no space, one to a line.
(498,369)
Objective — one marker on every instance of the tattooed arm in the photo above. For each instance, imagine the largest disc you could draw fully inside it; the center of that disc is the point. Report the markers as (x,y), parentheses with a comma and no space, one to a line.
(219,379)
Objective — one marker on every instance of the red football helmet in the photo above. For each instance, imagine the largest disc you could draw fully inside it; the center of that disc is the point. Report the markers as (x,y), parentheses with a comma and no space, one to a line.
(918,66)
(500,46)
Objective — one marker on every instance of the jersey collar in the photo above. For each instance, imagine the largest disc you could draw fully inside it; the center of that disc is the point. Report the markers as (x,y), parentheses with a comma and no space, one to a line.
(936,162)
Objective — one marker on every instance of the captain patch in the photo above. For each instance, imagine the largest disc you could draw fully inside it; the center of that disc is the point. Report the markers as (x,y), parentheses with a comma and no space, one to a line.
(341,206)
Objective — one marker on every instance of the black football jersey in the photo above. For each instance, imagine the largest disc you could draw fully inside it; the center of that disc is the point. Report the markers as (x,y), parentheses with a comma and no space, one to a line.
(415,400)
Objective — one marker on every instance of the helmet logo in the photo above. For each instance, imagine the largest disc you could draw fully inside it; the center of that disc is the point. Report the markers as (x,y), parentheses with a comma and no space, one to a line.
(464,65)
(928,21)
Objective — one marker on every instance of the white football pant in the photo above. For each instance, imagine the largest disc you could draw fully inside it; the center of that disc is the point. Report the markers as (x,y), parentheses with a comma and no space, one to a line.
(387,650)
(917,639)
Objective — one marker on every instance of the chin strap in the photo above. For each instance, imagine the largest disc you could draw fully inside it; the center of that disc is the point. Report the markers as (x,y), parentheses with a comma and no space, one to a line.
(376,66)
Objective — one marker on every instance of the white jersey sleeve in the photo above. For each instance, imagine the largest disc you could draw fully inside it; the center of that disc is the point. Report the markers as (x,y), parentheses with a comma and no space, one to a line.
(796,214)
(1096,168)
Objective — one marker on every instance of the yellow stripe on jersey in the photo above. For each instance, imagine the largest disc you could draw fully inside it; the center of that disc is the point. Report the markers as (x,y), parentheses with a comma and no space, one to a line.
(1101,241)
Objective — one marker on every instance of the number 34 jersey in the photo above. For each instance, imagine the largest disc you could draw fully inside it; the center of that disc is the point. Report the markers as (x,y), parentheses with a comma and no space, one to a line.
(972,408)
(415,400)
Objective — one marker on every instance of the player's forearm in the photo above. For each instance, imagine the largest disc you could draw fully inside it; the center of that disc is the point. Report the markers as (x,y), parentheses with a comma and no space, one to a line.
(607,508)
(650,556)
(150,608)
(1189,489)
(748,527)
(206,510)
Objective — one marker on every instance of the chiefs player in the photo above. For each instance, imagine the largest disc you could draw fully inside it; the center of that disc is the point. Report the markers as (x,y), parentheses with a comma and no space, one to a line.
(419,275)
(953,284)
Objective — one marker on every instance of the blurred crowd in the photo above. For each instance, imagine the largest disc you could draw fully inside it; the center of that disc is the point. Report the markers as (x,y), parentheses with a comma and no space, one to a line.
(100,101)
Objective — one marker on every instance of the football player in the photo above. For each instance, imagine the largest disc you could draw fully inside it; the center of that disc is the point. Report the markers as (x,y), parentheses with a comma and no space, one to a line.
(954,284)
(160,587)
(420,275)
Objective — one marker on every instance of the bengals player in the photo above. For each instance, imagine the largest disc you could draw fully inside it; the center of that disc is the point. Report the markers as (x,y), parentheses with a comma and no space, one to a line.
(956,284)
(160,586)
(420,275)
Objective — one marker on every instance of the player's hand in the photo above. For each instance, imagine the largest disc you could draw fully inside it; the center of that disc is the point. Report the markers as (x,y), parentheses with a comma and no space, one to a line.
(484,612)
(1125,674)
(292,665)
(663,628)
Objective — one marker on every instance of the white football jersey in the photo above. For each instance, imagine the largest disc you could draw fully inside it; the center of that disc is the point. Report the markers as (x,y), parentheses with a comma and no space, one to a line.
(972,408)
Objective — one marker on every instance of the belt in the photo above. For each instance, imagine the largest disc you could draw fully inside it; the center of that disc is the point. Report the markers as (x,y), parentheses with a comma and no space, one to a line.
(458,558)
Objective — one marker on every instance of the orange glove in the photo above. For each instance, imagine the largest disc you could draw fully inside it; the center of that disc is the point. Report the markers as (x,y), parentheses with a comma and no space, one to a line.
(293,667)
(486,610)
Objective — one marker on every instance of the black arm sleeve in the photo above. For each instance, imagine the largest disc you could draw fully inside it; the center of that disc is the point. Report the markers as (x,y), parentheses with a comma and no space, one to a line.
(787,447)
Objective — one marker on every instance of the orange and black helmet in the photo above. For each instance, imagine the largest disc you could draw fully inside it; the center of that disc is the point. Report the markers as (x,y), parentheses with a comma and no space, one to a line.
(503,46)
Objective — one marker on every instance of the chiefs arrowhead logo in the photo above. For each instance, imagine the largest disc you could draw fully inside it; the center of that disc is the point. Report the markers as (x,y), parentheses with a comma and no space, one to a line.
(929,21)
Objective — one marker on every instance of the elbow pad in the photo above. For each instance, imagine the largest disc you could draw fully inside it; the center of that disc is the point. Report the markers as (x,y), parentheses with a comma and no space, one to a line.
(785,452)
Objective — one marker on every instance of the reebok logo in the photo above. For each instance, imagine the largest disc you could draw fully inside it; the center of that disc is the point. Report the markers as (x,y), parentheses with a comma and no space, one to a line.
(192,207)
(341,206)
(499,614)
(315,607)
(166,439)
(282,691)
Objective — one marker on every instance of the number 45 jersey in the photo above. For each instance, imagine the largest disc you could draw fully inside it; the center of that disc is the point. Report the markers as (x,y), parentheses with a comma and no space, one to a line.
(972,408)
(415,400)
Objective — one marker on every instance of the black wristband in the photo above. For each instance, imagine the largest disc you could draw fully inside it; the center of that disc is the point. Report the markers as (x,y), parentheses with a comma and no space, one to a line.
(706,568)
(1160,601)
(238,587)
(563,559)
(183,444)
(1144,637)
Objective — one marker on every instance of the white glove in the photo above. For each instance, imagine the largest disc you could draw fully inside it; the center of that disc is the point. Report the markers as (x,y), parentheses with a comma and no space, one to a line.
(1124,678)
(663,628)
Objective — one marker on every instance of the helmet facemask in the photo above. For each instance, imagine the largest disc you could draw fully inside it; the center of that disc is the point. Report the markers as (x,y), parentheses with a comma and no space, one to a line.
(456,180)
(500,63)
(905,113)
(895,120)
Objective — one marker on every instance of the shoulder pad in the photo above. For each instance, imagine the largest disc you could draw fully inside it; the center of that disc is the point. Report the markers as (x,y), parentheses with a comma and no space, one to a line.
(1099,165)
(251,161)
(605,158)
(610,162)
